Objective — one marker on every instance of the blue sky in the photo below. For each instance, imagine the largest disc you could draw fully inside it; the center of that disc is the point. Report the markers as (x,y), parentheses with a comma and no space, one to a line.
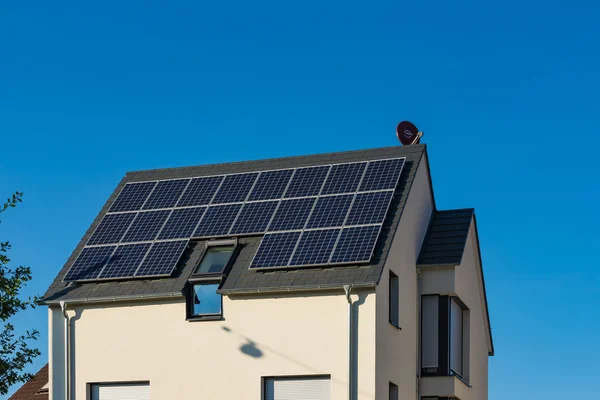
(506,93)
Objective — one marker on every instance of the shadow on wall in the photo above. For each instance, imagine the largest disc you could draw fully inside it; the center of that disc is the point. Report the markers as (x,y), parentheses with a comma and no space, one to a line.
(257,350)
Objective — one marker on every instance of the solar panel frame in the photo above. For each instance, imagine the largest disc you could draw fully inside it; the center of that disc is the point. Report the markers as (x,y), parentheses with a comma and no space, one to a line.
(363,211)
(163,263)
(254,217)
(133,196)
(201,191)
(344,178)
(235,188)
(220,217)
(282,250)
(101,255)
(146,226)
(314,247)
(271,185)
(330,211)
(166,194)
(111,229)
(355,244)
(124,261)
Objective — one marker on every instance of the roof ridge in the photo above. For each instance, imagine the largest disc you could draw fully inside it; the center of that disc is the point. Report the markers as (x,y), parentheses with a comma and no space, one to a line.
(417,147)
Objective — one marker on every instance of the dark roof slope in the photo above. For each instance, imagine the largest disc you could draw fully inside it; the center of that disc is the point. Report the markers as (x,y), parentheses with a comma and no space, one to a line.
(32,390)
(447,237)
(240,278)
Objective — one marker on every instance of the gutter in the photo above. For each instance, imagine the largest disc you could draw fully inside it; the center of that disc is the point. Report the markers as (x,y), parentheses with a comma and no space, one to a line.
(85,300)
(285,289)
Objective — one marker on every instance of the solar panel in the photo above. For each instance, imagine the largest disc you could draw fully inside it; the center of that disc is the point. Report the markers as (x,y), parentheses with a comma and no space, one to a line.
(314,247)
(217,220)
(166,194)
(111,229)
(344,178)
(307,182)
(125,261)
(89,263)
(299,207)
(162,258)
(275,250)
(369,208)
(132,197)
(146,226)
(254,217)
(200,191)
(382,174)
(271,185)
(235,188)
(356,244)
(292,214)
(181,223)
(330,211)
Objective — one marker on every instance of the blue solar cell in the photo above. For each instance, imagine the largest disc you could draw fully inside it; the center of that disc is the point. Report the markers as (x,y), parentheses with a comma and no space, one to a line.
(292,214)
(162,258)
(356,244)
(146,226)
(344,178)
(382,174)
(369,208)
(314,247)
(254,217)
(275,250)
(166,194)
(235,188)
(200,191)
(132,197)
(271,185)
(307,181)
(111,229)
(330,211)
(125,261)
(181,223)
(89,263)
(217,220)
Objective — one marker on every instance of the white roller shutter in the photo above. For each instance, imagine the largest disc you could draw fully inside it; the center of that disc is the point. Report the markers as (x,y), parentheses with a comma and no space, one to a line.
(121,391)
(297,389)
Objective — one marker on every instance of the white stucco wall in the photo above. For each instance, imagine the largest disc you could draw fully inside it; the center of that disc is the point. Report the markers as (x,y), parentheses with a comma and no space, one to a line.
(397,349)
(469,288)
(260,336)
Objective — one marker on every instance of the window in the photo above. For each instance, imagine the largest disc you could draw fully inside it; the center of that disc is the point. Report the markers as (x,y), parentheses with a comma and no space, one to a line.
(300,387)
(203,300)
(120,391)
(444,336)
(393,391)
(394,297)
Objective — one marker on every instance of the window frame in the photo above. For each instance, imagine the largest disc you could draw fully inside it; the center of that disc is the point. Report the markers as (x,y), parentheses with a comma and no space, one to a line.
(394,299)
(444,338)
(211,278)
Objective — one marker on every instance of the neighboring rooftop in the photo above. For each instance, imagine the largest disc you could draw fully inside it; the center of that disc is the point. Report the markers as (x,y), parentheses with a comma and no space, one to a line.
(240,278)
(35,389)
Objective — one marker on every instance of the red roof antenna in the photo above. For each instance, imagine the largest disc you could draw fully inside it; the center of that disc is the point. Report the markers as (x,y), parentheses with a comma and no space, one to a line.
(408,133)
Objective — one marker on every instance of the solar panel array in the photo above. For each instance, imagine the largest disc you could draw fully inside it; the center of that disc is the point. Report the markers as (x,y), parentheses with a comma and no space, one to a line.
(320,215)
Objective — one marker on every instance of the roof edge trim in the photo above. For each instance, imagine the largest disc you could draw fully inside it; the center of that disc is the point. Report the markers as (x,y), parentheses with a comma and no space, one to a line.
(287,289)
(117,298)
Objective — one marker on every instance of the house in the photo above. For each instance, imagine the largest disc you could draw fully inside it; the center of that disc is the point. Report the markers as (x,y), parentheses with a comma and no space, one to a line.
(330,276)
(35,389)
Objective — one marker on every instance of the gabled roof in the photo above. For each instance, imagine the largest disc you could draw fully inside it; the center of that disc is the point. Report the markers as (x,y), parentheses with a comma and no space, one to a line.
(240,279)
(35,389)
(447,236)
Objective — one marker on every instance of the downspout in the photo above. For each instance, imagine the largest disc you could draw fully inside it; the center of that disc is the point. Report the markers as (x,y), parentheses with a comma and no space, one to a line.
(419,311)
(347,289)
(63,307)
